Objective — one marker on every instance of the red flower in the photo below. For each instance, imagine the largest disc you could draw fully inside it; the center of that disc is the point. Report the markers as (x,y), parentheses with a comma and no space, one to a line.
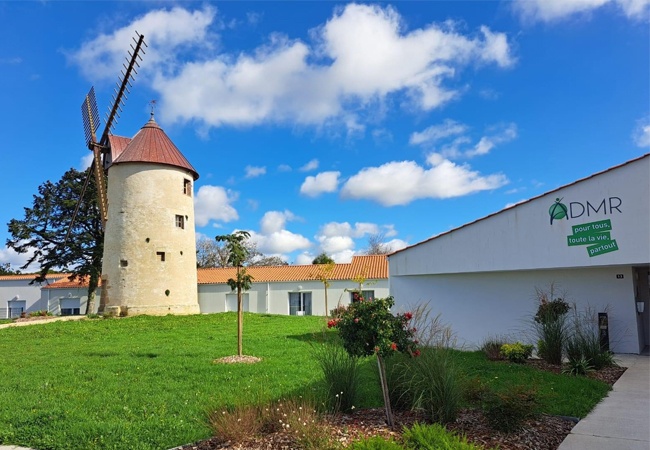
(356,320)
(408,315)
(333,323)
(376,349)
(416,353)
(393,346)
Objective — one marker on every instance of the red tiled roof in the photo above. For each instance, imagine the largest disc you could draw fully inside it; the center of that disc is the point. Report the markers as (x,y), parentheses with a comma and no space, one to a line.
(151,144)
(31,276)
(65,283)
(370,267)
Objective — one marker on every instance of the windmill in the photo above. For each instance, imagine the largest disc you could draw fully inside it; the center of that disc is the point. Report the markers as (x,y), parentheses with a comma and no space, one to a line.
(90,116)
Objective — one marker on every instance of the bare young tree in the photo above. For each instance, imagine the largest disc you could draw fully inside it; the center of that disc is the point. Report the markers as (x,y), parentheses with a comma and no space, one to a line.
(211,253)
(377,246)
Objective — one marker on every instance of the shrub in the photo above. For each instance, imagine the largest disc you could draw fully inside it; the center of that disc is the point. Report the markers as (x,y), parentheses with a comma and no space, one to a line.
(492,348)
(41,313)
(474,390)
(341,376)
(430,383)
(584,343)
(507,411)
(550,325)
(434,437)
(375,443)
(517,352)
(578,366)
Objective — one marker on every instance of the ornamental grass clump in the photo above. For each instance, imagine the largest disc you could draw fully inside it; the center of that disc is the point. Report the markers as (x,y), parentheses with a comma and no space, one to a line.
(551,326)
(341,375)
(367,327)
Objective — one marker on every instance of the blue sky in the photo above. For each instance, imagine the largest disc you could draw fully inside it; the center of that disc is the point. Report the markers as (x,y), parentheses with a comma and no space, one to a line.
(317,124)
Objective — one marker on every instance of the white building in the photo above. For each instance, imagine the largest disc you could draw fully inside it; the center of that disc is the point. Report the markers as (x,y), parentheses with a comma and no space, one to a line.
(289,290)
(590,239)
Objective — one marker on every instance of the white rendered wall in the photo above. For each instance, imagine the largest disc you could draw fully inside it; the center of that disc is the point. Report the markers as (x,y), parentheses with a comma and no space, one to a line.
(143,201)
(482,305)
(522,237)
(273,298)
(34,297)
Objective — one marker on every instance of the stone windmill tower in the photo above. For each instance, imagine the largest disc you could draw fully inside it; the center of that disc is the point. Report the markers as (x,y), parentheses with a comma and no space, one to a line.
(149,259)
(149,263)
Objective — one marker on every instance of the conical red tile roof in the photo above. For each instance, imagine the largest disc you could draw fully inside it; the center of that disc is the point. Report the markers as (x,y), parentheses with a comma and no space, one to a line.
(152,145)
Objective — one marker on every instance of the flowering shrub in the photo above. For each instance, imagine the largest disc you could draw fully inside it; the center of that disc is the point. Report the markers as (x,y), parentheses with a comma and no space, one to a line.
(517,352)
(368,327)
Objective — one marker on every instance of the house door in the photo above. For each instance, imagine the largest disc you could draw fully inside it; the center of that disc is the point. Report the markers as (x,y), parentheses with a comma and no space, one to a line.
(16,307)
(300,303)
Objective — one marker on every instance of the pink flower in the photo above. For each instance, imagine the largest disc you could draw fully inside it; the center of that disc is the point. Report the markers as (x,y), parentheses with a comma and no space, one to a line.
(356,320)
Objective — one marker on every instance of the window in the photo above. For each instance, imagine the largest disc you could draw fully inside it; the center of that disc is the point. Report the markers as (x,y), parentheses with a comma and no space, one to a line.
(300,303)
(180,221)
(367,295)
(124,263)
(161,256)
(187,187)
(70,306)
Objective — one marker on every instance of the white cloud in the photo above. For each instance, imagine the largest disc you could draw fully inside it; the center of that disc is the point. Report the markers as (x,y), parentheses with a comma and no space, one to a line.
(434,133)
(396,244)
(313,186)
(17,260)
(86,161)
(274,239)
(641,134)
(458,146)
(167,33)
(253,172)
(552,10)
(304,258)
(401,182)
(214,203)
(356,59)
(311,165)
(284,168)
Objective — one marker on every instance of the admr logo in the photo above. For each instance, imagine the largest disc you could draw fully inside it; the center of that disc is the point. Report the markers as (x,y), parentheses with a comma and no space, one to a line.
(558,210)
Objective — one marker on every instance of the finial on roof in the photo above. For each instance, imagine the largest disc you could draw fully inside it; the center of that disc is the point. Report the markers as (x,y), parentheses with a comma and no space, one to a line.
(152,103)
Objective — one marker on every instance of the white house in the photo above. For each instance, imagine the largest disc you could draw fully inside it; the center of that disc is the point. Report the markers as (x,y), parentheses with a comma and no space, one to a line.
(294,290)
(17,295)
(589,239)
(291,290)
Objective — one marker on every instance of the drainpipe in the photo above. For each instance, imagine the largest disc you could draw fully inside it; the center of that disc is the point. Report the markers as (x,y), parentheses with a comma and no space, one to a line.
(268,296)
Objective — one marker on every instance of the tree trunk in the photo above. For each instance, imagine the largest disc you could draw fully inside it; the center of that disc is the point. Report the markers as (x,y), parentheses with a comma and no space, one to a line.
(240,322)
(327,312)
(390,421)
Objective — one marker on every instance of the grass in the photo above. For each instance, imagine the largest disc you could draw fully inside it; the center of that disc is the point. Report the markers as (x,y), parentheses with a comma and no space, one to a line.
(150,382)
(3,321)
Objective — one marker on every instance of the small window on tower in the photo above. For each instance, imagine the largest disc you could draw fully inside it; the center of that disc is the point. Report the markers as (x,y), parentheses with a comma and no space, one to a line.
(180,221)
(187,187)
(161,256)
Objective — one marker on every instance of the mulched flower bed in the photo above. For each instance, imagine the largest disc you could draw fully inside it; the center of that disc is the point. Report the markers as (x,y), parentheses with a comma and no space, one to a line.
(541,433)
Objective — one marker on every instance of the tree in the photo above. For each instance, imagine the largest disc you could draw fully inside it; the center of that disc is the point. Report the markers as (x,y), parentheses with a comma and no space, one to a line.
(324,274)
(46,225)
(323,258)
(369,328)
(5,269)
(264,260)
(238,253)
(377,246)
(210,254)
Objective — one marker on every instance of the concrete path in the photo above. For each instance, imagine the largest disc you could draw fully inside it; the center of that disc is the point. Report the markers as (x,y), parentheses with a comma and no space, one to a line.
(48,319)
(621,421)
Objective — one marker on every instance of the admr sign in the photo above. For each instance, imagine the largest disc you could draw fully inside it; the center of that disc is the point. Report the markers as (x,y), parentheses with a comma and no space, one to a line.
(596,236)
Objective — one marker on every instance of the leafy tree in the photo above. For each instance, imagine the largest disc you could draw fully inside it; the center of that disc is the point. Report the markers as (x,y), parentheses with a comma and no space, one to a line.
(238,253)
(323,274)
(377,246)
(5,269)
(323,258)
(45,228)
(369,328)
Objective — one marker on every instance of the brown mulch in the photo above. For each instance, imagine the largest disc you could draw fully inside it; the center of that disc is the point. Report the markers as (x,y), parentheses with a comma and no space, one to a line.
(541,433)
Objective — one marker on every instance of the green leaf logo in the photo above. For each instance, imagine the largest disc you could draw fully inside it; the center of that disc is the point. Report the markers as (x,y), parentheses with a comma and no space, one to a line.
(558,210)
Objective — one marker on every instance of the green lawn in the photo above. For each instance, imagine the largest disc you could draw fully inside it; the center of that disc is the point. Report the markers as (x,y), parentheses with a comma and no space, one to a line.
(147,382)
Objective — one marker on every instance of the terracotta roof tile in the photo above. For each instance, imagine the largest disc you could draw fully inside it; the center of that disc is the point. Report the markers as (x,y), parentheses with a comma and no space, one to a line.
(31,276)
(151,144)
(370,267)
(65,283)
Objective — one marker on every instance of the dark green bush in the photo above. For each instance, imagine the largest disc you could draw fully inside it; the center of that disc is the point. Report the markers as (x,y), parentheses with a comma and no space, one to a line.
(507,411)
(434,437)
(549,311)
